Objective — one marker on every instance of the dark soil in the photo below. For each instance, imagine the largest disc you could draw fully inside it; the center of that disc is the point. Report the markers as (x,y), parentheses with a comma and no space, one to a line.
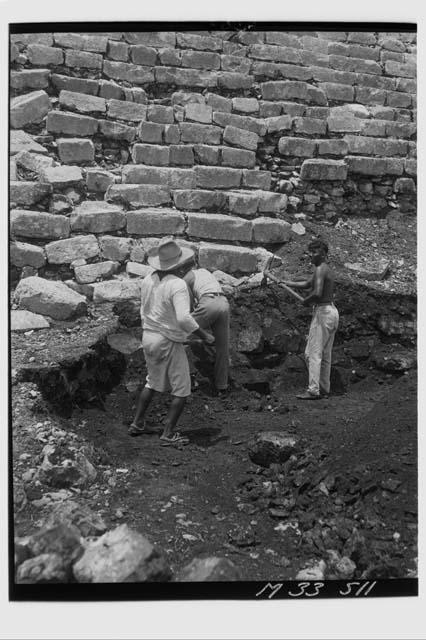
(208,498)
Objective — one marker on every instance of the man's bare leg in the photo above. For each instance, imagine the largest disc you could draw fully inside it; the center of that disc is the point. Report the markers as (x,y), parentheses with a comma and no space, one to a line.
(144,401)
(173,415)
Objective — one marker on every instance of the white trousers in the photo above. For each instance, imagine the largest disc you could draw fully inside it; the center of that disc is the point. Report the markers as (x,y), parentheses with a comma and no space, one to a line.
(325,321)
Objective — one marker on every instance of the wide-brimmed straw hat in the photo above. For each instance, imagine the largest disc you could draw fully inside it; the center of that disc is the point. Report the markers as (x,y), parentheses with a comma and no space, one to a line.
(168,255)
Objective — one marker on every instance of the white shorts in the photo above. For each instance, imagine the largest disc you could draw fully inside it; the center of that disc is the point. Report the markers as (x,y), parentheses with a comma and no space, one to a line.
(167,364)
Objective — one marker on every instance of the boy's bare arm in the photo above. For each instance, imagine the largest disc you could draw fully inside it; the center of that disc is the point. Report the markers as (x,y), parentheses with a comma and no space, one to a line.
(300,284)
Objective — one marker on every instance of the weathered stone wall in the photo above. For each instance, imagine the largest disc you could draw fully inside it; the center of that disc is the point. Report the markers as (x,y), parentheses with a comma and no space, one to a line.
(221,138)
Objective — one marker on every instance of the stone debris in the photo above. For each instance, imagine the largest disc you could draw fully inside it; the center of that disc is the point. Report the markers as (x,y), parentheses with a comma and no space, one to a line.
(121,555)
(71,513)
(22,141)
(272,447)
(369,270)
(43,569)
(49,298)
(211,569)
(21,320)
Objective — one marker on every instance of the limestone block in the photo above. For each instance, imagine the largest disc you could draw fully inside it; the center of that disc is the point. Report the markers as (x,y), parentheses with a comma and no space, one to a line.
(138,270)
(130,72)
(245,105)
(344,124)
(185,77)
(217,177)
(116,290)
(174,178)
(338,92)
(234,81)
(116,130)
(28,193)
(118,51)
(151,38)
(78,85)
(110,90)
(269,231)
(208,134)
(71,124)
(411,167)
(364,145)
(400,129)
(115,248)
(243,204)
(209,570)
(170,57)
(198,113)
(13,176)
(270,202)
(278,123)
(21,320)
(97,217)
(320,113)
(23,254)
(153,222)
(323,169)
(235,63)
(404,185)
(206,155)
(88,273)
(28,108)
(129,111)
(254,179)
(183,98)
(29,79)
(75,150)
(198,199)
(97,43)
(310,126)
(321,74)
(40,56)
(240,138)
(272,52)
(34,162)
(299,147)
(382,113)
(171,133)
(140,54)
(256,125)
(284,90)
(398,99)
(181,155)
(393,68)
(199,42)
(375,166)
(332,147)
(60,177)
(22,141)
(407,85)
(219,227)
(83,60)
(151,132)
(151,154)
(49,298)
(200,60)
(160,114)
(99,180)
(227,258)
(219,103)
(373,127)
(316,95)
(139,195)
(238,158)
(32,38)
(65,251)
(37,224)
(82,102)
(367,95)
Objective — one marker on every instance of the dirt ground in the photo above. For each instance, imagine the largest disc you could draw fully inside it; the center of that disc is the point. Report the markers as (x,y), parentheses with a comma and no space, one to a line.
(352,486)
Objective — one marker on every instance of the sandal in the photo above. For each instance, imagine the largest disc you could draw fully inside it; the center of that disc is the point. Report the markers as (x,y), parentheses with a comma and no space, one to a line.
(134,430)
(175,438)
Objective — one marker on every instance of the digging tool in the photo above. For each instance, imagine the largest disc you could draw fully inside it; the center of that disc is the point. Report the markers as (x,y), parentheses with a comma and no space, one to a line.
(267,274)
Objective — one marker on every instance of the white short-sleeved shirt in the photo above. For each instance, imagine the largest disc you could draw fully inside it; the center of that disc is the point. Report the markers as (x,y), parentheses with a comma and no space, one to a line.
(165,307)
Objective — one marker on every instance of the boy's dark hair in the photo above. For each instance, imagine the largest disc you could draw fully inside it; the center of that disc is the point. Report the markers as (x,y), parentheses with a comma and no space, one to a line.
(318,244)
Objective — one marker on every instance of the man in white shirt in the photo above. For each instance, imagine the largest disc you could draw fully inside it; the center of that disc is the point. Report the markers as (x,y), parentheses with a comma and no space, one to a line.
(167,323)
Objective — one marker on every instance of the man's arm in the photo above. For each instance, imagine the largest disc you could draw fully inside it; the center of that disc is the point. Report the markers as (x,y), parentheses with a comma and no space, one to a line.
(299,284)
(318,285)
(189,279)
(185,321)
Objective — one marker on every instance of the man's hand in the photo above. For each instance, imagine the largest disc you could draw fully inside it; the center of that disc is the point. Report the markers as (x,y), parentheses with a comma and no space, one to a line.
(208,338)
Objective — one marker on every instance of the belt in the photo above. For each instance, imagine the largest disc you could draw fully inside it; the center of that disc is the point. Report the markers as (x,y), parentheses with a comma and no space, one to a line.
(213,294)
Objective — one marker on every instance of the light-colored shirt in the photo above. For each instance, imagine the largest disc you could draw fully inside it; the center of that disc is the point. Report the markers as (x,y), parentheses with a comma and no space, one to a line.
(204,282)
(165,307)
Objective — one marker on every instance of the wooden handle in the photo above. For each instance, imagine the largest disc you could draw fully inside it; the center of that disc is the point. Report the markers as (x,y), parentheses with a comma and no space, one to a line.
(284,286)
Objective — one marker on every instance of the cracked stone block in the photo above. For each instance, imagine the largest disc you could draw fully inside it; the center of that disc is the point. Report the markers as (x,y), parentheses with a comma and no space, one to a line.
(82,102)
(323,170)
(269,231)
(28,108)
(37,224)
(116,290)
(86,274)
(22,320)
(71,124)
(22,141)
(28,193)
(29,79)
(75,150)
(227,258)
(155,222)
(23,254)
(97,217)
(66,251)
(49,298)
(219,227)
(60,177)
